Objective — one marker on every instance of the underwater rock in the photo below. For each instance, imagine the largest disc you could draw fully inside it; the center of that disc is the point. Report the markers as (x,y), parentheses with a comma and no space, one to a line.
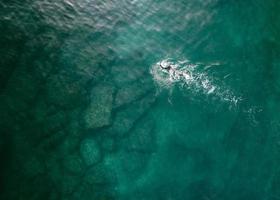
(33,167)
(42,110)
(47,126)
(39,188)
(53,168)
(22,84)
(42,70)
(125,74)
(125,119)
(108,144)
(63,180)
(96,175)
(56,121)
(98,113)
(142,138)
(65,90)
(133,164)
(69,183)
(53,141)
(69,145)
(20,91)
(73,164)
(89,60)
(132,92)
(91,192)
(90,151)
(74,125)
(85,69)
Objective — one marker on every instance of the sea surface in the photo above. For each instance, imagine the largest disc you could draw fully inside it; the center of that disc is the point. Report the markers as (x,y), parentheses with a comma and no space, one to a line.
(87,112)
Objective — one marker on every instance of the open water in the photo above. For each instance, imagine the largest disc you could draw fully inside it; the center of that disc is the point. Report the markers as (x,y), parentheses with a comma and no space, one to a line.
(87,112)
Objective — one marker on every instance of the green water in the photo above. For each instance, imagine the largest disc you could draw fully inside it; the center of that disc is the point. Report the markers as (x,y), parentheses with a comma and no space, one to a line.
(87,114)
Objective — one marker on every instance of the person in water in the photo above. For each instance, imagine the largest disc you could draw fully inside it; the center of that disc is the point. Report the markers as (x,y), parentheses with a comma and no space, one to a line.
(168,67)
(175,74)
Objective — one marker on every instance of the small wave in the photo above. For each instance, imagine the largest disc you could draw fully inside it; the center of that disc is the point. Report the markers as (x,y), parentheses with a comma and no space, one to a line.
(192,76)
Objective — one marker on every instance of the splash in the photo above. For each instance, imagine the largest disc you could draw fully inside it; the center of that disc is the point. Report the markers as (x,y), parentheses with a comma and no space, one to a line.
(191,76)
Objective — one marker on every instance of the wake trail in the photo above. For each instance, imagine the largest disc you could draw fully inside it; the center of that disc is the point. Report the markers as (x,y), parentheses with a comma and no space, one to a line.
(193,77)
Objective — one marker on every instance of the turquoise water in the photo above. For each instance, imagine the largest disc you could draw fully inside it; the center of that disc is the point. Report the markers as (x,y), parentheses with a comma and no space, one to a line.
(88,113)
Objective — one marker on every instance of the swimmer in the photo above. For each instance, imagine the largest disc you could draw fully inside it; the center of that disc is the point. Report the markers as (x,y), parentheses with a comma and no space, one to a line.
(168,67)
(173,72)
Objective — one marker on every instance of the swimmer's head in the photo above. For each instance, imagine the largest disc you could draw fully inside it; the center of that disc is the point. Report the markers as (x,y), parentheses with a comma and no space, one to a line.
(164,65)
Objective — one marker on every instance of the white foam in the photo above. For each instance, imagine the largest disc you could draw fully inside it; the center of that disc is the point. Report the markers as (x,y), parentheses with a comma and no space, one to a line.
(189,76)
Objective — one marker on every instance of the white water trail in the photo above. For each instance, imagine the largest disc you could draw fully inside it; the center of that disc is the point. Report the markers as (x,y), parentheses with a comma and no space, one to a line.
(168,73)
